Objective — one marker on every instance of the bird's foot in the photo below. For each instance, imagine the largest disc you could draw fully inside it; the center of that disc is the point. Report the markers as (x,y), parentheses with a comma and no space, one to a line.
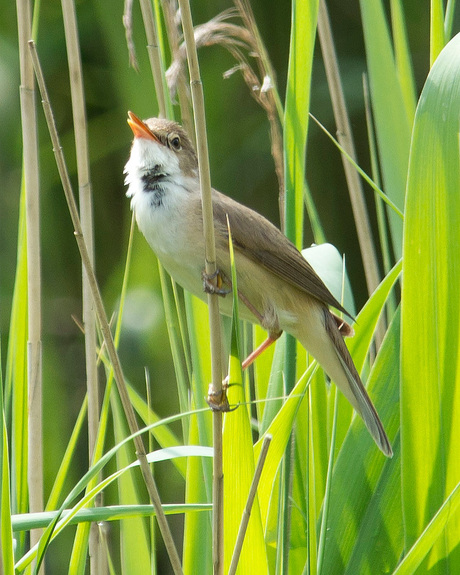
(213,283)
(218,400)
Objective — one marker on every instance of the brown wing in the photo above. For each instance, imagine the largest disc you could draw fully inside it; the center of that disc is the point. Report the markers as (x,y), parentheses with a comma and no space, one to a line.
(266,244)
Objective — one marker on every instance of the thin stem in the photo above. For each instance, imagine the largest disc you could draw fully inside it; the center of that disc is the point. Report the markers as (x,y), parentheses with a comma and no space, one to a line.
(153,50)
(345,137)
(361,172)
(97,552)
(102,317)
(210,256)
(34,344)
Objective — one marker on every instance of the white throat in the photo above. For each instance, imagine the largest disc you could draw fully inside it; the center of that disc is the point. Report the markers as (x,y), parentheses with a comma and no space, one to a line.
(160,194)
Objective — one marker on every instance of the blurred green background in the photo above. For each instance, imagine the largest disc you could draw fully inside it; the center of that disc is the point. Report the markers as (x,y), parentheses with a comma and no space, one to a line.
(241,166)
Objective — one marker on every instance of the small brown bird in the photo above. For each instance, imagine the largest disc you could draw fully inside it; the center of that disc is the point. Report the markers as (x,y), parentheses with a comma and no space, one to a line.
(277,287)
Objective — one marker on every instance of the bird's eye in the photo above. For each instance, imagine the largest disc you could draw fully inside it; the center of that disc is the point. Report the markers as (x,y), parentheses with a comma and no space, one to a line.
(174,142)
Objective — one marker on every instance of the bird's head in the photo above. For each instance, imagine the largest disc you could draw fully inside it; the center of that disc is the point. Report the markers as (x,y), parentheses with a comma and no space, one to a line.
(161,153)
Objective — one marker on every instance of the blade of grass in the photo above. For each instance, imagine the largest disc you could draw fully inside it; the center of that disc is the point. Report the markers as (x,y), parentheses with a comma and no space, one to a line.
(27,521)
(369,180)
(389,109)
(430,535)
(160,455)
(280,429)
(66,462)
(6,531)
(449,19)
(385,241)
(248,508)
(402,58)
(197,554)
(134,541)
(15,403)
(437,38)
(302,40)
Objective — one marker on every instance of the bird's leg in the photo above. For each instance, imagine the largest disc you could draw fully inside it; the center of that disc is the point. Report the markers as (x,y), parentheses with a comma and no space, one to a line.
(221,403)
(272,337)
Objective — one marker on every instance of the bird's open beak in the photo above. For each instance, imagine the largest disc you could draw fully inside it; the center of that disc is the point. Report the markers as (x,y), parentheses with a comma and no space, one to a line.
(140,130)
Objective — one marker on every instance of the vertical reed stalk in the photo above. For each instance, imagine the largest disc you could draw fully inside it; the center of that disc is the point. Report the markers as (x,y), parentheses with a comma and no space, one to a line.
(345,138)
(210,256)
(154,55)
(97,552)
(102,318)
(34,344)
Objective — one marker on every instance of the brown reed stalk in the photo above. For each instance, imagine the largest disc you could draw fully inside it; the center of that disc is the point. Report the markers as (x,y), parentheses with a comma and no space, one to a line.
(154,55)
(210,263)
(34,344)
(104,324)
(345,138)
(170,10)
(96,550)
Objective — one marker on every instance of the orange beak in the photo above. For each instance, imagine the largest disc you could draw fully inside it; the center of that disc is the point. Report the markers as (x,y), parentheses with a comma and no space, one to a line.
(140,130)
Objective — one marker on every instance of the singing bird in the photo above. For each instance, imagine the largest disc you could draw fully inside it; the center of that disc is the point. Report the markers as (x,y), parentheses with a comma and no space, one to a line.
(277,287)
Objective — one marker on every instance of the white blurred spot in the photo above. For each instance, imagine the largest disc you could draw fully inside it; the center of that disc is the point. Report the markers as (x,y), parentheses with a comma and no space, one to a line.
(143,310)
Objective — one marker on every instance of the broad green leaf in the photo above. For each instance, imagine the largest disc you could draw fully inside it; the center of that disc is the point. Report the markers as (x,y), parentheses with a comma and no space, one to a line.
(430,416)
(280,429)
(238,462)
(363,510)
(430,535)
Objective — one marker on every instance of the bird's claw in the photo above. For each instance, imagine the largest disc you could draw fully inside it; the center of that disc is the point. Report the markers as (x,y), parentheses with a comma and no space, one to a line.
(218,400)
(209,286)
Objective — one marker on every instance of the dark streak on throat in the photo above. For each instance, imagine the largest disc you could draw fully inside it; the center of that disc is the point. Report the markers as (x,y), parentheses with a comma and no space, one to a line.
(153,184)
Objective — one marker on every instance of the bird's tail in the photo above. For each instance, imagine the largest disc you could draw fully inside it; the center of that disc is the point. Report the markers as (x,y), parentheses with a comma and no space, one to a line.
(333,355)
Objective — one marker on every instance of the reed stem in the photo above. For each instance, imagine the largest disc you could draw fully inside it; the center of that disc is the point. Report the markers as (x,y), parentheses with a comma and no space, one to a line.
(210,266)
(97,553)
(345,138)
(34,343)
